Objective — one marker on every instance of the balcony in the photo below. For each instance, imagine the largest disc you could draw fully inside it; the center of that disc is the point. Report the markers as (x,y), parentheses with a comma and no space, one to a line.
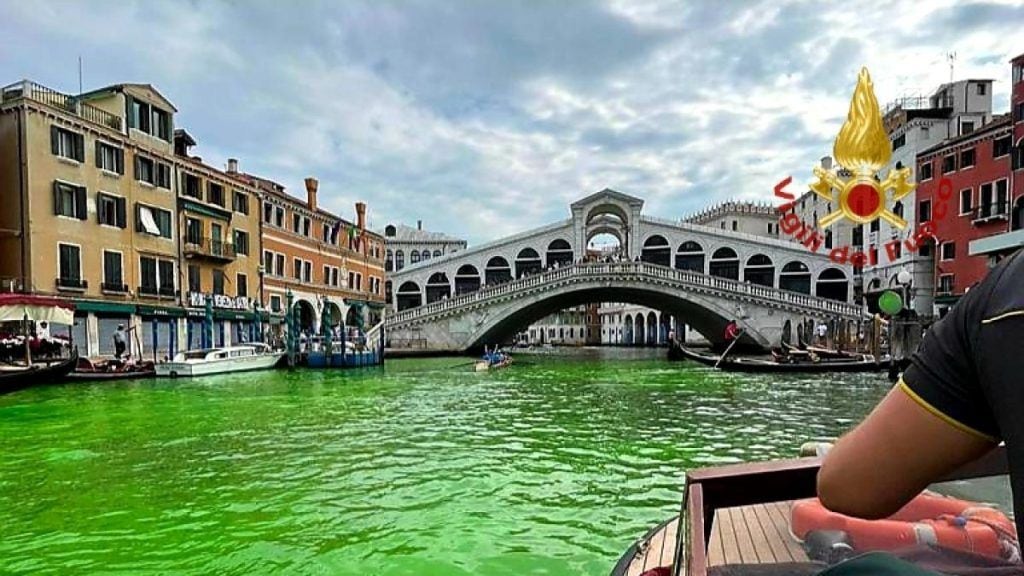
(114,288)
(993,211)
(65,102)
(209,248)
(72,284)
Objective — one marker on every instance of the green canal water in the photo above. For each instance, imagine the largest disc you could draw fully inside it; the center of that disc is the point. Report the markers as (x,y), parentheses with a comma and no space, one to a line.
(553,466)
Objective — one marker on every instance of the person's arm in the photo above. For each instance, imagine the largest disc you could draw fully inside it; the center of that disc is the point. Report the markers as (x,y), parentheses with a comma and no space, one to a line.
(892,456)
(936,419)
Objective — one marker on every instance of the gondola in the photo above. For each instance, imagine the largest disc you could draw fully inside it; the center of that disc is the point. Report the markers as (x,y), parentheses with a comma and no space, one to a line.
(738,364)
(14,378)
(87,371)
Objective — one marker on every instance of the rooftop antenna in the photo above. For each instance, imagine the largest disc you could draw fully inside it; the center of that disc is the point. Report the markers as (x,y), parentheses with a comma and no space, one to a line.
(951,56)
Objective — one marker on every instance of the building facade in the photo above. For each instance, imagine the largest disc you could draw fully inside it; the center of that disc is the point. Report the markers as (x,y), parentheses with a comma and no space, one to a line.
(406,245)
(746,217)
(324,262)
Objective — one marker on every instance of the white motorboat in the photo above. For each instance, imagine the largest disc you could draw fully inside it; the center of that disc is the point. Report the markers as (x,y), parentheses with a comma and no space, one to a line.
(220,360)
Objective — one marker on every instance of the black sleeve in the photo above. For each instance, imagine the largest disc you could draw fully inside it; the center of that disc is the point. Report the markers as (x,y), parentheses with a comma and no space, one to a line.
(943,376)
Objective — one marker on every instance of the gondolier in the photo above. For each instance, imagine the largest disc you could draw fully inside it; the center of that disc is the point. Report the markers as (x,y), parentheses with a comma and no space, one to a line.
(732,331)
(120,343)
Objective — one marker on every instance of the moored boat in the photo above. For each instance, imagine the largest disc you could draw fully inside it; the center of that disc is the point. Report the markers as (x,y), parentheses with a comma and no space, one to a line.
(209,361)
(44,360)
(740,364)
(20,377)
(107,370)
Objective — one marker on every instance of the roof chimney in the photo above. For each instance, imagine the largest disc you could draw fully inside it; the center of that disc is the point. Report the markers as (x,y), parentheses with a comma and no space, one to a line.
(361,215)
(311,186)
(419,224)
(232,166)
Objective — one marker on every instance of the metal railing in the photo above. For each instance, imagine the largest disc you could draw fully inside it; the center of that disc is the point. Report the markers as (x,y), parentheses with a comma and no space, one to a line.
(27,89)
(997,209)
(119,287)
(210,247)
(71,284)
(636,271)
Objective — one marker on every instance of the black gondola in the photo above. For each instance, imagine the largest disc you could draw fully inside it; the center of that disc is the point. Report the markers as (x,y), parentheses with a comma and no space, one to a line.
(20,377)
(866,364)
(87,371)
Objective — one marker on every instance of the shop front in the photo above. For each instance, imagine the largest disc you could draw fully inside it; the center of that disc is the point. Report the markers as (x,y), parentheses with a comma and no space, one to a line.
(159,331)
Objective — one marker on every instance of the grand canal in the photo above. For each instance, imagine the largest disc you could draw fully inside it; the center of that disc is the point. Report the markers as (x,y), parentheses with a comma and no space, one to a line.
(552,466)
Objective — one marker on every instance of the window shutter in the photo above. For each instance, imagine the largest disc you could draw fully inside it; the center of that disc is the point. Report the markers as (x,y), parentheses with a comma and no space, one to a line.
(80,147)
(80,206)
(130,112)
(138,170)
(56,198)
(119,160)
(54,140)
(122,219)
(138,217)
(99,155)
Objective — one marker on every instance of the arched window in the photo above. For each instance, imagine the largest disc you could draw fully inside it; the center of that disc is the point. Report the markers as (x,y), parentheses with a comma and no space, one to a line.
(390,231)
(437,253)
(832,283)
(795,277)
(559,252)
(408,296)
(690,256)
(426,255)
(467,279)
(656,250)
(414,257)
(759,270)
(399,260)
(388,295)
(725,264)
(389,261)
(527,262)
(438,287)
(497,271)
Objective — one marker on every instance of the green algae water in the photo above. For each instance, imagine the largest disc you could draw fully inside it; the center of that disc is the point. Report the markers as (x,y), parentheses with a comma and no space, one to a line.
(552,466)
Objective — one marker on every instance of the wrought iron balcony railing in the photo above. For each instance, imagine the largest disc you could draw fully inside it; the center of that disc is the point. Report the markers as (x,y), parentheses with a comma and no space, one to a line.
(209,248)
(66,102)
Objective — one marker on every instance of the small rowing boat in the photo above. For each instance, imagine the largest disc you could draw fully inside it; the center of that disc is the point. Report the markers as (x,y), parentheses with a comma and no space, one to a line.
(739,364)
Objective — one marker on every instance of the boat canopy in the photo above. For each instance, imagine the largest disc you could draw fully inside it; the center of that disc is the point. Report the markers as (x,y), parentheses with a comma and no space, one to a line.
(15,307)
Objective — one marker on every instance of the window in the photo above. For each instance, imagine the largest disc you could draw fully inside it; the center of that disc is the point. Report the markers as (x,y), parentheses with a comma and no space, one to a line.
(268,212)
(70,266)
(899,141)
(327,275)
(874,225)
(1001,146)
(981,89)
(113,273)
(218,282)
(305,227)
(734,225)
(69,200)
(327,232)
(193,231)
(296,223)
(139,115)
(268,262)
(194,280)
(279,264)
(1001,203)
(334,277)
(949,164)
(926,170)
(241,242)
(109,158)
(241,285)
(307,271)
(924,212)
(161,124)
(110,210)
(275,303)
(192,186)
(215,194)
(145,170)
(1018,73)
(67,144)
(163,175)
(966,200)
(414,257)
(948,251)
(240,202)
(297,268)
(279,217)
(166,277)
(152,220)
(1018,112)
(351,280)
(399,260)
(967,158)
(157,276)
(946,284)
(966,127)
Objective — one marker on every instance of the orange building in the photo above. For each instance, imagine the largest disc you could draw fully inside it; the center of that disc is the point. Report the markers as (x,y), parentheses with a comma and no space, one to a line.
(323,260)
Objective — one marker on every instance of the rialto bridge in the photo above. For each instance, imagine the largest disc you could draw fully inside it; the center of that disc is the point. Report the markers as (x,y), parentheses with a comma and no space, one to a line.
(704,276)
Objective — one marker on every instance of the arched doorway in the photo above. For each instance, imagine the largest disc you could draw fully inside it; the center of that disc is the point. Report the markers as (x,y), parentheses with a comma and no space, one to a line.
(497,271)
(690,256)
(725,264)
(1017,217)
(559,253)
(467,279)
(795,277)
(438,287)
(305,317)
(639,330)
(527,262)
(604,245)
(832,284)
(759,270)
(334,311)
(353,317)
(627,333)
(408,296)
(656,250)
(388,293)
(652,329)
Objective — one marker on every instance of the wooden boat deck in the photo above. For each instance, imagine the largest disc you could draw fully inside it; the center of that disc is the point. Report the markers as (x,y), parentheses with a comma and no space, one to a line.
(755,534)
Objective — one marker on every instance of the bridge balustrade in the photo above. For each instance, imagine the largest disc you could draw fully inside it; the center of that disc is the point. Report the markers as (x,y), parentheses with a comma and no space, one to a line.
(642,269)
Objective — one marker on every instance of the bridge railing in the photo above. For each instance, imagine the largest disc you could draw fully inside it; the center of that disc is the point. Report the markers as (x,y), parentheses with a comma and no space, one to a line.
(705,229)
(653,271)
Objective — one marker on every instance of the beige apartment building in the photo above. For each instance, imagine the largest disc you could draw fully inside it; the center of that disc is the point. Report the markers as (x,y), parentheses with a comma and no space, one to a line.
(98,208)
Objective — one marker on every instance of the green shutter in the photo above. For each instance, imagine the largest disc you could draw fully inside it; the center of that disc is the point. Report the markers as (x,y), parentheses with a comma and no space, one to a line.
(122,219)
(80,147)
(119,160)
(130,114)
(99,155)
(55,140)
(56,198)
(81,210)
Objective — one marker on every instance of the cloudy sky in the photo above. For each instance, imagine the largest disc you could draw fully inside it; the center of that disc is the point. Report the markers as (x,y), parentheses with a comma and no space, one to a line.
(487,117)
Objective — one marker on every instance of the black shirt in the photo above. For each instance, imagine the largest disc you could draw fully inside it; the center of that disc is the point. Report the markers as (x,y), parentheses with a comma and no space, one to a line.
(969,370)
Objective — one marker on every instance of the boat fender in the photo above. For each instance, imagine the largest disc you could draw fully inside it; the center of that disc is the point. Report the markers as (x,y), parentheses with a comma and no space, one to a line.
(828,546)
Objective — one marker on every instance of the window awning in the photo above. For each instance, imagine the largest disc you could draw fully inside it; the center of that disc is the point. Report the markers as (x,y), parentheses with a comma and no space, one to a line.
(148,222)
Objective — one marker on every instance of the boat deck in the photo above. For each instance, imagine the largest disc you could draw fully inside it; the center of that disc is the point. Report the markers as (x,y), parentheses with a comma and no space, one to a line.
(756,534)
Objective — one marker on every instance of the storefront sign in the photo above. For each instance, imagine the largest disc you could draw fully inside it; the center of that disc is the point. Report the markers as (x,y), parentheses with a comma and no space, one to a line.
(198,300)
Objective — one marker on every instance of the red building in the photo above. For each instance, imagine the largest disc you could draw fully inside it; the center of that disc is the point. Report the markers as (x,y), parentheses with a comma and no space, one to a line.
(972,188)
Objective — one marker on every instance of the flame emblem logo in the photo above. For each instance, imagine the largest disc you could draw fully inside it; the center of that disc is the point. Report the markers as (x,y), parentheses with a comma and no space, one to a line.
(862,148)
